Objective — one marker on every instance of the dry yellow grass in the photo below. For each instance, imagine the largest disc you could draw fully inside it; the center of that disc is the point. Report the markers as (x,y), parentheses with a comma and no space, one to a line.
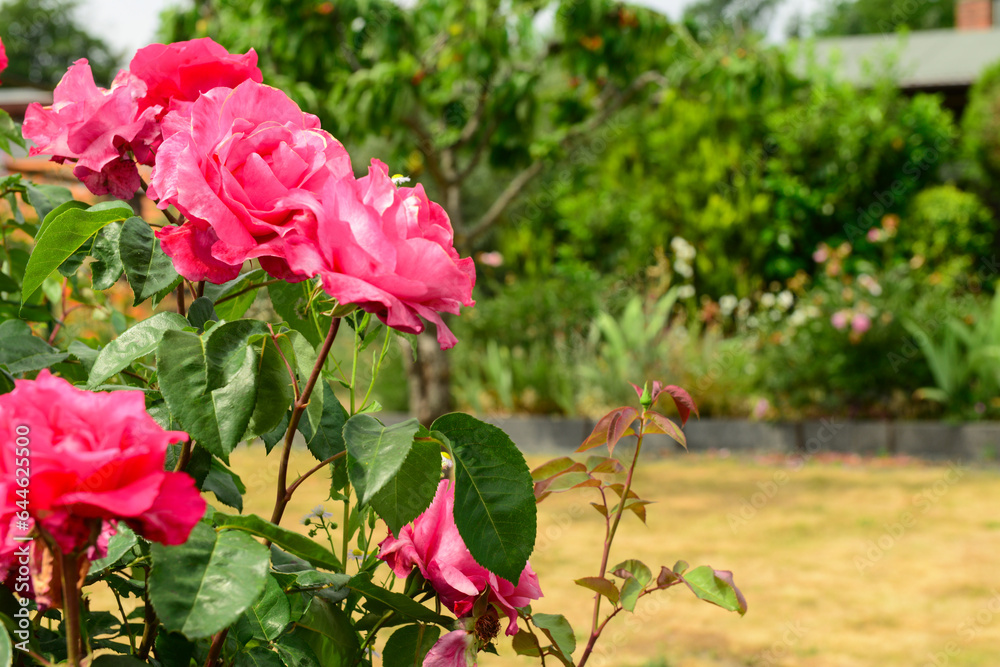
(821,591)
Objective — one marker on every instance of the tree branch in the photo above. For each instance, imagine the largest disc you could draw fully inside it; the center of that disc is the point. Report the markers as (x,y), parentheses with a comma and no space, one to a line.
(609,104)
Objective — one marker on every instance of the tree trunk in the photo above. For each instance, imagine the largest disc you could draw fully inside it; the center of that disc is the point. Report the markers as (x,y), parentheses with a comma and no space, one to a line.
(429,379)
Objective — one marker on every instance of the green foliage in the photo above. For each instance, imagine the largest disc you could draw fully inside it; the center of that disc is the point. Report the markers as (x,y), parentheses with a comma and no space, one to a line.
(42,39)
(862,17)
(981,136)
(232,564)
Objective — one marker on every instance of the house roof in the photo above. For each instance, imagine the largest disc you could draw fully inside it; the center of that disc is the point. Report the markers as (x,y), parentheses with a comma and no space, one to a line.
(927,58)
(16,100)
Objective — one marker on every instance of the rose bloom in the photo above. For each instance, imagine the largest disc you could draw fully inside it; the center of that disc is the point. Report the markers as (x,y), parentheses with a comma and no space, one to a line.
(90,458)
(177,74)
(433,544)
(99,129)
(3,57)
(245,166)
(108,131)
(861,323)
(390,250)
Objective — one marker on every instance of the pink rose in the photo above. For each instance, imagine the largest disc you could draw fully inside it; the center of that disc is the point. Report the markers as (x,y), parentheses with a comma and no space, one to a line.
(861,323)
(389,250)
(432,543)
(3,57)
(245,165)
(97,128)
(176,74)
(92,458)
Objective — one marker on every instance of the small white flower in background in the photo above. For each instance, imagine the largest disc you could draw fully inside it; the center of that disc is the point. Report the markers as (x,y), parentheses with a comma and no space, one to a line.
(768,300)
(493,258)
(357,554)
(744,307)
(870,284)
(399,179)
(685,291)
(785,300)
(684,251)
(683,268)
(317,513)
(752,322)
(798,318)
(446,462)
(775,315)
(372,652)
(727,304)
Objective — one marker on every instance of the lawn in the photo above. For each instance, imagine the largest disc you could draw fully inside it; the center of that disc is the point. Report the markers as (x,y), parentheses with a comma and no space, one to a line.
(842,562)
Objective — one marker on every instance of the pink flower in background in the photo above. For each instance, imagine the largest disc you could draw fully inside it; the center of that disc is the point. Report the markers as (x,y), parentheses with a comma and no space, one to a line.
(176,74)
(102,130)
(860,323)
(3,57)
(822,253)
(839,320)
(246,167)
(94,458)
(432,544)
(389,250)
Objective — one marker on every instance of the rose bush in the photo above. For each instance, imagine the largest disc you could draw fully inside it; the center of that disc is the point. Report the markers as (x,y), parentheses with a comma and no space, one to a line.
(105,445)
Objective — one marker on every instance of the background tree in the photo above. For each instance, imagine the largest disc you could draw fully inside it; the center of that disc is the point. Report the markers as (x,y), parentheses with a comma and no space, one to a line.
(473,96)
(738,16)
(864,17)
(43,38)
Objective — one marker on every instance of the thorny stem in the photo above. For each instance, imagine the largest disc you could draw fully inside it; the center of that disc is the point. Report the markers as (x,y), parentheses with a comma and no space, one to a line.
(310,472)
(282,496)
(185,456)
(596,628)
(216,649)
(71,606)
(149,619)
(180,300)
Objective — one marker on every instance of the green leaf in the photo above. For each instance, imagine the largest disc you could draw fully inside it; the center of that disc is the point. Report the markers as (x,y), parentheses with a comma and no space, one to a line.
(328,631)
(494,498)
(411,490)
(119,544)
(716,587)
(148,269)
(375,452)
(295,652)
(54,213)
(406,607)
(174,649)
(117,661)
(291,303)
(6,648)
(225,484)
(23,352)
(600,585)
(6,382)
(8,284)
(10,133)
(137,341)
(46,198)
(634,568)
(293,543)
(209,382)
(274,388)
(328,439)
(268,617)
(202,586)
(235,308)
(258,656)
(409,645)
(201,311)
(631,590)
(558,630)
(62,237)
